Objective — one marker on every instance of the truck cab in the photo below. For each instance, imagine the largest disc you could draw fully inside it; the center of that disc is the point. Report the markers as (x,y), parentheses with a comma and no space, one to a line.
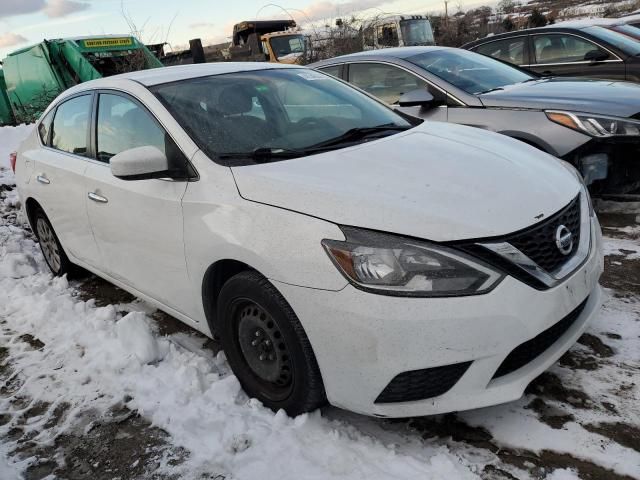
(274,41)
(398,31)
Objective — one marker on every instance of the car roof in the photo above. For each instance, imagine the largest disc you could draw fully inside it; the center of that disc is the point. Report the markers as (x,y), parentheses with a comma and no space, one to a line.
(156,76)
(560,27)
(397,52)
(586,22)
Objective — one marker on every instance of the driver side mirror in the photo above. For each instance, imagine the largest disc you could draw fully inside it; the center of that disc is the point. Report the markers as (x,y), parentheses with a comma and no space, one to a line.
(417,98)
(596,55)
(140,163)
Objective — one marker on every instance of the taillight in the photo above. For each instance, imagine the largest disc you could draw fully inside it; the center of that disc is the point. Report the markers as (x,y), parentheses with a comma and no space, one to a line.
(13,156)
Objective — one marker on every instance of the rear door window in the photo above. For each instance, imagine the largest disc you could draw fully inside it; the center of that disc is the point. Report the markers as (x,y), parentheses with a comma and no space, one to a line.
(70,125)
(510,50)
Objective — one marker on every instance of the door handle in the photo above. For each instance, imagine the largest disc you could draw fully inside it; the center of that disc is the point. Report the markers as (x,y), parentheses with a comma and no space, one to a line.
(97,198)
(43,179)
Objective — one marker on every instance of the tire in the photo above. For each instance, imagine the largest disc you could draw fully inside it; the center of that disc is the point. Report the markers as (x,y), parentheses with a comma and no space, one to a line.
(52,250)
(266,345)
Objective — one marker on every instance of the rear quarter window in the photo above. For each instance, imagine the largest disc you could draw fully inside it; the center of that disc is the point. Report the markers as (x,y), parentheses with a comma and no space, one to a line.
(44,128)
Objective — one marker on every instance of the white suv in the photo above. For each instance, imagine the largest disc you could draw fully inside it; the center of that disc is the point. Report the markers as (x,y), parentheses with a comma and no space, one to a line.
(340,253)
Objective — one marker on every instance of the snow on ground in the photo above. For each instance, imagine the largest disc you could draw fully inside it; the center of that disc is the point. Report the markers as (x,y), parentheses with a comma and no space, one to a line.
(61,353)
(623,246)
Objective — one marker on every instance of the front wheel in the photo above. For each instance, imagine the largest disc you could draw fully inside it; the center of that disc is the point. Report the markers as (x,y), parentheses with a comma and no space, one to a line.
(267,347)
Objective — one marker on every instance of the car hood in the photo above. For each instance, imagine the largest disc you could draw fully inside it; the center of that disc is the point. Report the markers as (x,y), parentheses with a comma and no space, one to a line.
(437,181)
(620,99)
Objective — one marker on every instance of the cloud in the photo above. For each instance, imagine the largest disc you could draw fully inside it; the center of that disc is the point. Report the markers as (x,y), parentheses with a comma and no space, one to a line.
(202,25)
(8,8)
(62,8)
(327,9)
(11,39)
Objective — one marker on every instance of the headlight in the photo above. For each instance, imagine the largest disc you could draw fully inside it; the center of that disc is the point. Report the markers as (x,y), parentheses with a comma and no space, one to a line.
(596,125)
(387,264)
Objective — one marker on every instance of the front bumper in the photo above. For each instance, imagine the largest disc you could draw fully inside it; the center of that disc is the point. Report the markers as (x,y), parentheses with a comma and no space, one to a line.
(362,341)
(609,166)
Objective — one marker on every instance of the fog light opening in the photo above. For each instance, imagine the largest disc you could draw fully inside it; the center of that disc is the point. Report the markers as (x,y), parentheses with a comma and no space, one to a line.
(594,167)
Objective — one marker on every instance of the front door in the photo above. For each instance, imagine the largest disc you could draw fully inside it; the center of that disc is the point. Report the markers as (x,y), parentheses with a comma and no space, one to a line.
(570,55)
(137,223)
(388,83)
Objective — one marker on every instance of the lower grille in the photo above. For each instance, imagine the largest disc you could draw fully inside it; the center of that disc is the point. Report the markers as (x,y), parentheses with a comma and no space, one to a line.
(531,349)
(422,384)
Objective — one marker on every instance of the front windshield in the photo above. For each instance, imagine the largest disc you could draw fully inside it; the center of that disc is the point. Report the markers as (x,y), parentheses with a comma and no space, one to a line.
(417,32)
(469,71)
(623,42)
(291,45)
(284,108)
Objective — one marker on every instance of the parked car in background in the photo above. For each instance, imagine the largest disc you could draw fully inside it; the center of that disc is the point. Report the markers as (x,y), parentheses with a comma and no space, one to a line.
(594,125)
(340,252)
(616,24)
(632,19)
(582,51)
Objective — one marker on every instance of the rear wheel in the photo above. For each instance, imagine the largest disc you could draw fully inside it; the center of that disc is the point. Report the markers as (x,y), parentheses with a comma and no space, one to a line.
(52,251)
(266,345)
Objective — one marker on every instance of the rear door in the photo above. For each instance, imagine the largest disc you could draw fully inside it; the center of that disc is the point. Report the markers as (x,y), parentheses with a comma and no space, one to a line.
(59,169)
(137,223)
(567,54)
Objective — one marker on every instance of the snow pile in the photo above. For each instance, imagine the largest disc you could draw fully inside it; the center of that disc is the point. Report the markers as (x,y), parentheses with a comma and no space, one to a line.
(563,474)
(135,335)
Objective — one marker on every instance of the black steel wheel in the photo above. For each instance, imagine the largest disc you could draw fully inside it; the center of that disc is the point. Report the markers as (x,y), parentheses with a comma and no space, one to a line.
(266,345)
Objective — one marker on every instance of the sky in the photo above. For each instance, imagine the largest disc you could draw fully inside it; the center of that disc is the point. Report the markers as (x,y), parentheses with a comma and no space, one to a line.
(24,22)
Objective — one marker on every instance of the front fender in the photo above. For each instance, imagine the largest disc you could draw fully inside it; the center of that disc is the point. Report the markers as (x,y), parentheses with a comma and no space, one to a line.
(280,244)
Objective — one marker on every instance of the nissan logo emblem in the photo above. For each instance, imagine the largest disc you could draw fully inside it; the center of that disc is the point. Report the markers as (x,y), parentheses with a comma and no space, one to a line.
(564,240)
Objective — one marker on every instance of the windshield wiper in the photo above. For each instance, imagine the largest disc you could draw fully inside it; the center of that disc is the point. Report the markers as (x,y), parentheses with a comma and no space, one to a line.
(490,90)
(359,133)
(265,154)
(268,154)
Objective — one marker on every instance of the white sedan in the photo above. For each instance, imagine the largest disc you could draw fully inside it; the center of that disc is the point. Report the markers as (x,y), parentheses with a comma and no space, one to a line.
(340,252)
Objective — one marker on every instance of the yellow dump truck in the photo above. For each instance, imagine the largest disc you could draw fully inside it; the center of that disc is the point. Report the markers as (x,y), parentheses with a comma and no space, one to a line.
(275,41)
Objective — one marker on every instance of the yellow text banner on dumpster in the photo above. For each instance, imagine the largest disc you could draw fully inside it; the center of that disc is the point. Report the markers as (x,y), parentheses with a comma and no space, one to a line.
(107,42)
